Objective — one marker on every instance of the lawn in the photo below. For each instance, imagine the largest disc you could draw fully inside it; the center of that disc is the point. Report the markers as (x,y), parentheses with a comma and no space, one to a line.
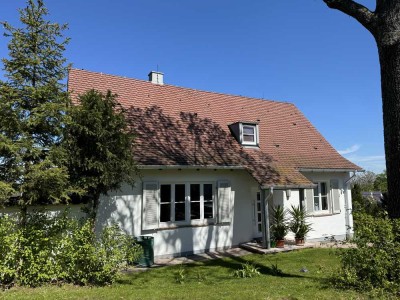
(213,280)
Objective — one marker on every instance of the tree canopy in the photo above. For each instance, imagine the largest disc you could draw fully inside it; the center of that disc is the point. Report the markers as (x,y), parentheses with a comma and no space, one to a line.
(33,101)
(100,143)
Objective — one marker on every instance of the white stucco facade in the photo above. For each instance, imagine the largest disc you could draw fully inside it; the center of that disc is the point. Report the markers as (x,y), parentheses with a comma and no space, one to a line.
(126,206)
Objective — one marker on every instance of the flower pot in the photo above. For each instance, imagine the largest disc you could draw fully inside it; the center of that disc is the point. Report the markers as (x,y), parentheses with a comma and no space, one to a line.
(299,241)
(280,244)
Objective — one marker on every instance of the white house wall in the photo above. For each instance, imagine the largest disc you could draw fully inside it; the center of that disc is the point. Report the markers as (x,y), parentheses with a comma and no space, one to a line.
(331,225)
(125,207)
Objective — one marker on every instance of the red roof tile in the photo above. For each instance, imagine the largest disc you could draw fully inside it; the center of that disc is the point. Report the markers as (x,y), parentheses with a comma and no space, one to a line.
(182,126)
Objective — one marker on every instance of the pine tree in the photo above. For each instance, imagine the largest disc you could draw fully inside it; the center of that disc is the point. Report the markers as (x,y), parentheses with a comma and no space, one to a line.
(100,142)
(33,101)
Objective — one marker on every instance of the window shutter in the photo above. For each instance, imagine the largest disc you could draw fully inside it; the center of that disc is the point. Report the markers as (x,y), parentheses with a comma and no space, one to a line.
(224,201)
(309,195)
(151,205)
(335,193)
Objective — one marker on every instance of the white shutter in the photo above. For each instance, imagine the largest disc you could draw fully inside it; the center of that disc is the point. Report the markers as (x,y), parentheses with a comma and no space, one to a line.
(309,198)
(151,205)
(224,201)
(335,194)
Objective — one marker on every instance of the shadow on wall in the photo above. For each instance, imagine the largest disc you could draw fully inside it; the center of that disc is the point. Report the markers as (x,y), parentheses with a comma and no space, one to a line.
(122,208)
(191,140)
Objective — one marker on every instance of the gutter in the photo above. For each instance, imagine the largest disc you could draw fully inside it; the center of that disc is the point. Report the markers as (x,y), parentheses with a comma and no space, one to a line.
(289,186)
(188,167)
(327,170)
(354,175)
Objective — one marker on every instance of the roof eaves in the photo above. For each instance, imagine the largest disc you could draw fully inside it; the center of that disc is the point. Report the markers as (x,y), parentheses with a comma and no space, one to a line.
(190,167)
(326,170)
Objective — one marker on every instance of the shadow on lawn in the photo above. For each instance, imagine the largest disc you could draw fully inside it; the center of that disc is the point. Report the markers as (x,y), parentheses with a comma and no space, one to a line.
(226,265)
(234,263)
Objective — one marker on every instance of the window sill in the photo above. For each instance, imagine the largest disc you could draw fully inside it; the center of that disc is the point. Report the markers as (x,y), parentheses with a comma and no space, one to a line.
(321,214)
(176,225)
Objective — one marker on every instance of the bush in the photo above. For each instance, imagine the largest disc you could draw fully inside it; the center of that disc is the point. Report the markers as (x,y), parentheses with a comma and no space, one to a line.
(57,248)
(374,263)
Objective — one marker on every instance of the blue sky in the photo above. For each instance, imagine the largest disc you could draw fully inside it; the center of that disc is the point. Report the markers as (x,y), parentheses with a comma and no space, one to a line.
(296,51)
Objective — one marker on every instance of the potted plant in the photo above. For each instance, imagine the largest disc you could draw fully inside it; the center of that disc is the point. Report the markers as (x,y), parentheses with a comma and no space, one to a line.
(298,224)
(279,227)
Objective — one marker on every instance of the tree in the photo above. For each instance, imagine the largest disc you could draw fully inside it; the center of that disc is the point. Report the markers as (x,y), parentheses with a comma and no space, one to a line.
(384,25)
(380,183)
(33,101)
(99,141)
(365,181)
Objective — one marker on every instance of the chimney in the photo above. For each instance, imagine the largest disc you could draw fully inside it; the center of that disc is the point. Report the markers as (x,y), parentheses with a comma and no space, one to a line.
(156,77)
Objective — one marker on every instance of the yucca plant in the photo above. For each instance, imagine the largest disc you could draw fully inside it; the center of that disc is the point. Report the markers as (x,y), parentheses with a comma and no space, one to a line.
(298,224)
(279,227)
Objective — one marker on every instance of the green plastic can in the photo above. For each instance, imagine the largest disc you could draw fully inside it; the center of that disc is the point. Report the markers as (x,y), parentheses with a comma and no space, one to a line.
(147,243)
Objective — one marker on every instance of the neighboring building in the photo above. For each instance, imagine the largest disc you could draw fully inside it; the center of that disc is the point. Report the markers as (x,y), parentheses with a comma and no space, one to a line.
(206,158)
(375,196)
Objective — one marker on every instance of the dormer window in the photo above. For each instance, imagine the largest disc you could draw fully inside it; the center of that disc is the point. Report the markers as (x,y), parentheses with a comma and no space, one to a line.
(249,134)
(246,133)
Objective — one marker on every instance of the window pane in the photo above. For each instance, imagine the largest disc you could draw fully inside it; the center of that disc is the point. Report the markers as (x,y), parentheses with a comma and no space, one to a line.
(195,192)
(180,211)
(259,217)
(323,189)
(248,138)
(179,193)
(324,201)
(195,210)
(258,196)
(165,212)
(248,130)
(165,193)
(208,193)
(208,210)
(316,203)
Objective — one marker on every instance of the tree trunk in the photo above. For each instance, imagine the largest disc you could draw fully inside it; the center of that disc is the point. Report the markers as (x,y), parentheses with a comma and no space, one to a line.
(389,56)
(93,208)
(384,24)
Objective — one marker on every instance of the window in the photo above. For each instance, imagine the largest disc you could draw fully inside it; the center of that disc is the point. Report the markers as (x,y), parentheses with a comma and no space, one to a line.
(258,213)
(183,202)
(321,196)
(249,134)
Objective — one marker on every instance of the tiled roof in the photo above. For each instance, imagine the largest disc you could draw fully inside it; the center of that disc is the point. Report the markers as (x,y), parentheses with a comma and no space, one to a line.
(182,126)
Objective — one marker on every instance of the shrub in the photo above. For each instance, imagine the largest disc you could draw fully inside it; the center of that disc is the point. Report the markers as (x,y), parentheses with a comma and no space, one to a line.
(9,237)
(57,248)
(374,263)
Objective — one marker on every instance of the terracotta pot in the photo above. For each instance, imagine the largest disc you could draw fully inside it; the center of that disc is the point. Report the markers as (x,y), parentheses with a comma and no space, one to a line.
(299,242)
(280,243)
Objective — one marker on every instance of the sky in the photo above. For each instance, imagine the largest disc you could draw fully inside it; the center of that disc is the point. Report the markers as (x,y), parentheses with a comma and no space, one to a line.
(288,50)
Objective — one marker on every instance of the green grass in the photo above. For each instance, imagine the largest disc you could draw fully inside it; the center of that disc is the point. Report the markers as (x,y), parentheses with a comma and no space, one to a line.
(213,280)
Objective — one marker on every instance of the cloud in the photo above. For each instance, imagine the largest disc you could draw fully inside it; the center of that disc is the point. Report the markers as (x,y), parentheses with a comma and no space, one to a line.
(352,149)
(374,163)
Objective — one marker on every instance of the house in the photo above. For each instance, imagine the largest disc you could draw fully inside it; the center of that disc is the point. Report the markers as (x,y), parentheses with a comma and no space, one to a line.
(210,163)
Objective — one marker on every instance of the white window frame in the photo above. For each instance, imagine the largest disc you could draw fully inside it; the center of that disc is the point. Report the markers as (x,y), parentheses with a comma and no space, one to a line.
(327,195)
(257,214)
(247,143)
(188,221)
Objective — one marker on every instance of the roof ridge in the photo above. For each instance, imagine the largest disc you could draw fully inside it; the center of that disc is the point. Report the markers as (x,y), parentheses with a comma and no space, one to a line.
(186,88)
